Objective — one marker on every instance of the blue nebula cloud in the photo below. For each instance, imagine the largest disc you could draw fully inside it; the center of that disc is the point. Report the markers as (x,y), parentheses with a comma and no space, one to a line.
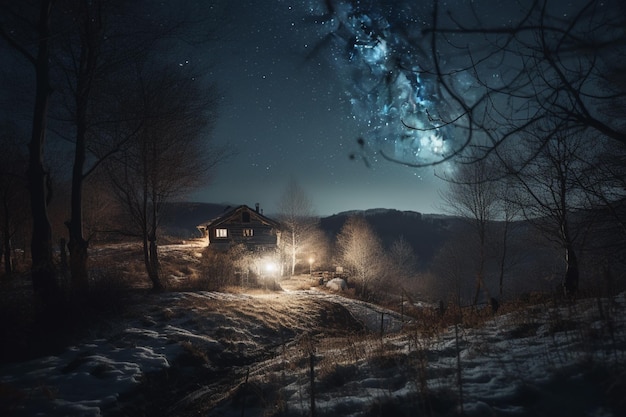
(373,48)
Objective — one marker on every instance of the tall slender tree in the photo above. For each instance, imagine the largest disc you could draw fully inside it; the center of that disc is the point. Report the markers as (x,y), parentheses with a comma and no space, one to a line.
(473,195)
(169,155)
(13,195)
(297,217)
(100,41)
(548,193)
(90,27)
(23,25)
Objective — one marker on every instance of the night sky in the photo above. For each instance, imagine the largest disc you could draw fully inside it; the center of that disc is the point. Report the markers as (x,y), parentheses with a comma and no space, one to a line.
(293,107)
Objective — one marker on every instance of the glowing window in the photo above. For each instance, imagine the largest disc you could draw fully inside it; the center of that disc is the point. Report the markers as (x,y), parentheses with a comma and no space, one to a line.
(221,232)
(248,232)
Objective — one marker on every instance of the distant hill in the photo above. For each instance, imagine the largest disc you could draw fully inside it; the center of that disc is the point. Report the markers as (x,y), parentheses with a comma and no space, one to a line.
(426,233)
(534,261)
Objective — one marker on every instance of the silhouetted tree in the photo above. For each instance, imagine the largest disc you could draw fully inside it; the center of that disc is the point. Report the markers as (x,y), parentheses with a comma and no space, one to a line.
(473,195)
(298,219)
(452,279)
(504,248)
(402,262)
(100,41)
(25,26)
(13,193)
(548,192)
(169,155)
(505,74)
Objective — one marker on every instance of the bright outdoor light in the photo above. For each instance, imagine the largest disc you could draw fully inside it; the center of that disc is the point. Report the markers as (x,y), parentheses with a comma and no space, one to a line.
(270,267)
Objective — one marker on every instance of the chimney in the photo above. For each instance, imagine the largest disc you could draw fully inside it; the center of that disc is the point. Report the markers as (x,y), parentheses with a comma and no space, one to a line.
(257,207)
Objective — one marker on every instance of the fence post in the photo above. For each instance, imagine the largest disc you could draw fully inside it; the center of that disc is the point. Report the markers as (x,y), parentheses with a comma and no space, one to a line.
(312,376)
(459,369)
(402,309)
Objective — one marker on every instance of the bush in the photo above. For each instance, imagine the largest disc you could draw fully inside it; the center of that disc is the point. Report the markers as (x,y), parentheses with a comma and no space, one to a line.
(220,269)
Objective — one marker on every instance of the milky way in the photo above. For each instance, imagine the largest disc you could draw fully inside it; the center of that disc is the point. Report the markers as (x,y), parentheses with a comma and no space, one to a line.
(303,81)
(374,49)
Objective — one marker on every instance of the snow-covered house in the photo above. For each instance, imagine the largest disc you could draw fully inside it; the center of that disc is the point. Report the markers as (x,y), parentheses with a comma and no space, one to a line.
(242,225)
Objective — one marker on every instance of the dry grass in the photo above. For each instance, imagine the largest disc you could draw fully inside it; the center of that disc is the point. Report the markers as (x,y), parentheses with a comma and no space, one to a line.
(299,283)
(338,342)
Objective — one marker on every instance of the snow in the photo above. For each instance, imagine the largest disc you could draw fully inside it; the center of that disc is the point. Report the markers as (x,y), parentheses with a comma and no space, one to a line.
(540,359)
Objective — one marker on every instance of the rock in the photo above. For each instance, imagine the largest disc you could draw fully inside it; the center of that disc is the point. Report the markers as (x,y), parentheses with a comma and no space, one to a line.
(337,284)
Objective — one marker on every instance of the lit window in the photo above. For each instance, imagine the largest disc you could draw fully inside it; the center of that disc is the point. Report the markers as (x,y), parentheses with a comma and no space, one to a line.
(221,232)
(248,232)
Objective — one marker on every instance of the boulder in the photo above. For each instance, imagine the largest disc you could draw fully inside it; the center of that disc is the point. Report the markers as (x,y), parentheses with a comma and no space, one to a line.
(337,284)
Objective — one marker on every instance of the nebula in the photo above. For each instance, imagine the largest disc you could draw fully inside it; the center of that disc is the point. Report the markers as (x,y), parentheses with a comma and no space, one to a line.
(373,48)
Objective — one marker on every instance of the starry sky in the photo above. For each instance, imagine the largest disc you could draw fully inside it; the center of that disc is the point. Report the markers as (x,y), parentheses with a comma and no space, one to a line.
(289,110)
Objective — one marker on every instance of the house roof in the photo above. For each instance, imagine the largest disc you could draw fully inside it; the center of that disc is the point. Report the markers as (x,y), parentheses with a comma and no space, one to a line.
(229,214)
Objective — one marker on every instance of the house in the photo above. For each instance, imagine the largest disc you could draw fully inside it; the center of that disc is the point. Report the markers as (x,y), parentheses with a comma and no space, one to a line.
(242,225)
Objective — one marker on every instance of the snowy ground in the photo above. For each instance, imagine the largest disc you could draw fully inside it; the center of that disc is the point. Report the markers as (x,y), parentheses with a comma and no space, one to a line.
(218,354)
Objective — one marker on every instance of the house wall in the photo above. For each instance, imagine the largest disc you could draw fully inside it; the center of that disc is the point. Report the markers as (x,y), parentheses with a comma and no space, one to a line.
(264,235)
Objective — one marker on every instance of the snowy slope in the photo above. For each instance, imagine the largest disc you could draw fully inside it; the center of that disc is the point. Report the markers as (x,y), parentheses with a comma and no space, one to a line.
(221,354)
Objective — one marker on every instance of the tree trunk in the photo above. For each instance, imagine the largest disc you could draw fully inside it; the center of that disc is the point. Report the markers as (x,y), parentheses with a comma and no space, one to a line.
(8,261)
(146,257)
(78,264)
(63,265)
(480,273)
(78,246)
(151,261)
(293,252)
(570,284)
(6,242)
(157,284)
(45,285)
(503,257)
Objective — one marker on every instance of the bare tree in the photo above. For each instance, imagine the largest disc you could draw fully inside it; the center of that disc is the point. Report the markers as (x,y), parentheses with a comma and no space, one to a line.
(26,28)
(297,217)
(542,71)
(402,262)
(451,279)
(432,88)
(361,251)
(13,195)
(100,40)
(549,194)
(84,72)
(537,64)
(169,155)
(76,50)
(503,243)
(605,181)
(472,195)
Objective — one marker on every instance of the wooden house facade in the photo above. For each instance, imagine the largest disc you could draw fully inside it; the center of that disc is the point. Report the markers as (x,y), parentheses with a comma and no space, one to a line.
(242,225)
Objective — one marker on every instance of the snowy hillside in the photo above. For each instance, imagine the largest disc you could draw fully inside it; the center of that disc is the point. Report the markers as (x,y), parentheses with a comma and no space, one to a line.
(219,354)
